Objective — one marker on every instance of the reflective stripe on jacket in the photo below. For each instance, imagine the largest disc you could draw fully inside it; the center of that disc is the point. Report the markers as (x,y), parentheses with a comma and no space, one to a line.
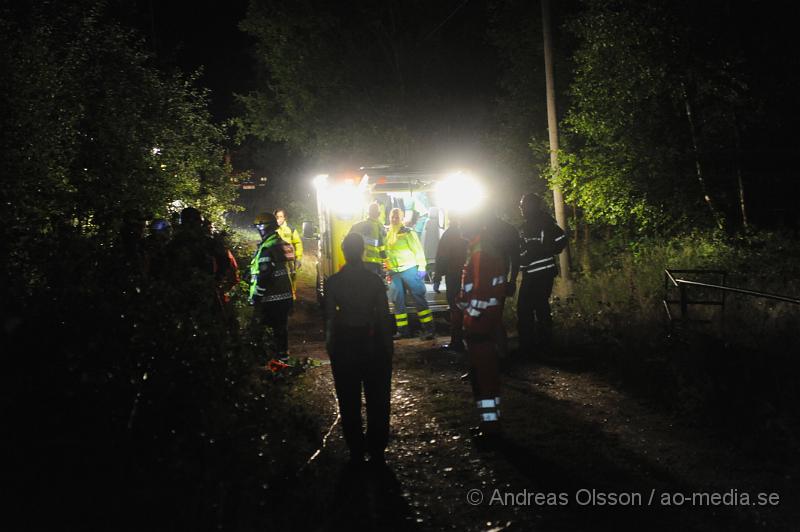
(542,239)
(374,235)
(484,287)
(269,270)
(404,250)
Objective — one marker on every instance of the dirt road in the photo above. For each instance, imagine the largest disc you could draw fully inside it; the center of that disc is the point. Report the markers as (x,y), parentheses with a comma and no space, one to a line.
(579,453)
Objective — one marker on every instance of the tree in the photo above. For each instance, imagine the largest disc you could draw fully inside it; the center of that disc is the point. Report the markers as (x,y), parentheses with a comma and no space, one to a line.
(646,109)
(378,82)
(90,132)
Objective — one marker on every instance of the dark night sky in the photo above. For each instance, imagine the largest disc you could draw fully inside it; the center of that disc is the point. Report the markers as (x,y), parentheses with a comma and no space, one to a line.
(202,33)
(205,34)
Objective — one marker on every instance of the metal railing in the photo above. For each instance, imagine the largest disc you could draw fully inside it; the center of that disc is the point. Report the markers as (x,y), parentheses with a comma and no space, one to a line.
(684,301)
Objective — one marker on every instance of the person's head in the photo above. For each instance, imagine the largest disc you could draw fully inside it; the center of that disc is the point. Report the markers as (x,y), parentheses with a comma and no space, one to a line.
(191,217)
(396,217)
(374,211)
(280,216)
(530,205)
(353,248)
(265,222)
(473,223)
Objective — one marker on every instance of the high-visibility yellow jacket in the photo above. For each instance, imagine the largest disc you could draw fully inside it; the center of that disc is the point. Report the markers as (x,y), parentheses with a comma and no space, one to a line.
(374,235)
(292,237)
(404,250)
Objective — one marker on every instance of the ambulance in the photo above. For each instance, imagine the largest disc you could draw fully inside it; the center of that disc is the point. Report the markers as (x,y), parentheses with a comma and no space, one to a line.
(426,199)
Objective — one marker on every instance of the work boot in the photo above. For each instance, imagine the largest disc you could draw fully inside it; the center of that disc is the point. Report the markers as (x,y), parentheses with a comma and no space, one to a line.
(377,458)
(402,332)
(428,331)
(485,440)
(455,345)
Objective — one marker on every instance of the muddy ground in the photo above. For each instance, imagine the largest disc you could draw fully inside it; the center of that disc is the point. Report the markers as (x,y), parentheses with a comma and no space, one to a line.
(578,453)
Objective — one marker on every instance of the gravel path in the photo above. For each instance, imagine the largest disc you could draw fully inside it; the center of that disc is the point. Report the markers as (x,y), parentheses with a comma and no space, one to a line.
(579,453)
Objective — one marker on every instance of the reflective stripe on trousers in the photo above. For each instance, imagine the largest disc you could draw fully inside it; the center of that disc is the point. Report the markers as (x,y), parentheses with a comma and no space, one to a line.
(401,320)
(488,409)
(425,316)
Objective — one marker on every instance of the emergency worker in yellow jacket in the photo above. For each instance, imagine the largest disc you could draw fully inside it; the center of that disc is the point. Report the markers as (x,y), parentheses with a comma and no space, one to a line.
(407,270)
(373,233)
(290,235)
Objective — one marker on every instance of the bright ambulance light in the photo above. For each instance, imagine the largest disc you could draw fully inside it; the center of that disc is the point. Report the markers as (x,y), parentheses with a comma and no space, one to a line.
(345,199)
(460,192)
(320,181)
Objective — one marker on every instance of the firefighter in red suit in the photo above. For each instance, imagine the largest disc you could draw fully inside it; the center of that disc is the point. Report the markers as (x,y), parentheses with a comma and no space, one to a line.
(483,294)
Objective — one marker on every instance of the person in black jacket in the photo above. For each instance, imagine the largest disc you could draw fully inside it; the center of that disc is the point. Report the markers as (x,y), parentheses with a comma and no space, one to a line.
(271,290)
(451,254)
(359,342)
(541,240)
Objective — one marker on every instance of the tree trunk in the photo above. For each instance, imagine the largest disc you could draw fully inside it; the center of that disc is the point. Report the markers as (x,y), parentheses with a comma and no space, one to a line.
(552,128)
(739,181)
(696,150)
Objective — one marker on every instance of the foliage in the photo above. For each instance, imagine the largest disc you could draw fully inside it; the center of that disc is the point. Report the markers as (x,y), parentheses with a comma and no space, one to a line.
(734,371)
(92,132)
(129,384)
(634,155)
(377,82)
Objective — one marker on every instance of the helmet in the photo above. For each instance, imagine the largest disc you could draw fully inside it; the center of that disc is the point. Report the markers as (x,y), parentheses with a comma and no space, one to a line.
(159,224)
(265,218)
(531,203)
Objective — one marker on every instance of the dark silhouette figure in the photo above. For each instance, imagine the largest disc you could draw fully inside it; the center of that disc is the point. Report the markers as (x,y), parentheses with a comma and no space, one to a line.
(542,239)
(359,341)
(451,254)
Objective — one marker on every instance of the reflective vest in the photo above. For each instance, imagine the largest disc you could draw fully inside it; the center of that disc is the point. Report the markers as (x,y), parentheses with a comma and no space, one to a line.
(269,270)
(292,237)
(404,250)
(374,235)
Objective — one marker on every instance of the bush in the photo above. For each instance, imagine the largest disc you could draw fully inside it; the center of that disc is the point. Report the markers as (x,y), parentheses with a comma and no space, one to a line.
(740,363)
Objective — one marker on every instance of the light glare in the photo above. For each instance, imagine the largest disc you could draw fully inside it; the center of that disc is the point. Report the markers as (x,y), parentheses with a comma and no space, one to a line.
(460,192)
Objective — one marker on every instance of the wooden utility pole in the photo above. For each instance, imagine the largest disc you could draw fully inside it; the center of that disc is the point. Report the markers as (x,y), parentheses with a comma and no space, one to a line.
(552,128)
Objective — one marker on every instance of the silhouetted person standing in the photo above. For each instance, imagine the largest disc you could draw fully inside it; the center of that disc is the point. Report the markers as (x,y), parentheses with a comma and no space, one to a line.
(451,254)
(542,239)
(482,297)
(189,264)
(359,342)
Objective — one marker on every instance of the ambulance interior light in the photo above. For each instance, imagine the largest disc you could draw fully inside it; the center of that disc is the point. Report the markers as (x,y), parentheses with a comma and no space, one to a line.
(460,192)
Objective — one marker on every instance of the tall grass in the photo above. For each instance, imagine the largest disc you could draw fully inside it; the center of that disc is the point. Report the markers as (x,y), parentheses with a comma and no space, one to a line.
(738,370)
